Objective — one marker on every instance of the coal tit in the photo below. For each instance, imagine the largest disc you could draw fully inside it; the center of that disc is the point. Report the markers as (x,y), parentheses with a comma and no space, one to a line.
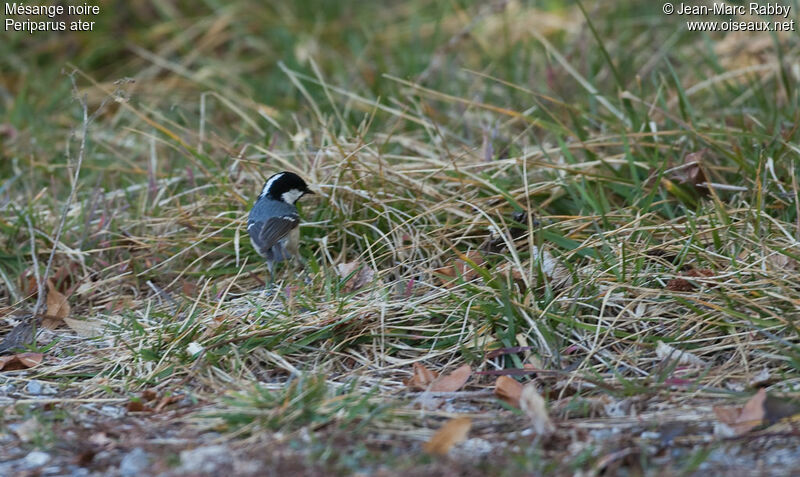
(273,223)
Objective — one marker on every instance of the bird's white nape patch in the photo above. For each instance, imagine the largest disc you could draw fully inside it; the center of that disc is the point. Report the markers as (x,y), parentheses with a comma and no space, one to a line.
(291,196)
(269,183)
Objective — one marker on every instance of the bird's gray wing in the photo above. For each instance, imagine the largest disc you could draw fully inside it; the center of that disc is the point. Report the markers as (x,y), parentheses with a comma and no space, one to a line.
(268,233)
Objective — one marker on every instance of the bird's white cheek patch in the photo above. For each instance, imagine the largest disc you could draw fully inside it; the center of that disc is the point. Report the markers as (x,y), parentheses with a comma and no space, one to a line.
(291,196)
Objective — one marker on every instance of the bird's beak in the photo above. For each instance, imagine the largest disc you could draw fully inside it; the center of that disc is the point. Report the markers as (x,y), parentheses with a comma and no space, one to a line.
(309,191)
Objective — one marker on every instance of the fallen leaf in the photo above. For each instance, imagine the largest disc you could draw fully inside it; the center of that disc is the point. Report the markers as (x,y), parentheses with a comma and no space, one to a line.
(65,276)
(700,273)
(451,433)
(422,377)
(57,307)
(665,352)
(682,284)
(462,268)
(27,284)
(453,381)
(740,420)
(360,275)
(679,284)
(30,359)
(85,328)
(149,395)
(188,288)
(137,406)
(166,400)
(533,405)
(692,172)
(20,361)
(508,389)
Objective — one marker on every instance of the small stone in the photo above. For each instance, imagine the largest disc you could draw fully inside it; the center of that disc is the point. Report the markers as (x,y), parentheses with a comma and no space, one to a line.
(650,435)
(112,411)
(36,459)
(206,460)
(33,387)
(134,463)
(474,448)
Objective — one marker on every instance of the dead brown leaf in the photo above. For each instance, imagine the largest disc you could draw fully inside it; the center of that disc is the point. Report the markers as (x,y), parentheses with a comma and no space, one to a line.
(20,361)
(692,172)
(462,268)
(65,276)
(700,273)
(451,433)
(57,307)
(682,284)
(149,395)
(27,283)
(166,400)
(741,420)
(137,406)
(360,275)
(188,288)
(679,284)
(422,377)
(508,389)
(453,381)
(533,405)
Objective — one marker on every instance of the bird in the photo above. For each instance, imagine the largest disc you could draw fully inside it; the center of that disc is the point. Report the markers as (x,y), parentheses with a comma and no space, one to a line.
(273,223)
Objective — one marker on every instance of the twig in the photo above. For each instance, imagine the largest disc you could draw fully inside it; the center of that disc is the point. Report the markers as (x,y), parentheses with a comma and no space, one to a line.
(73,189)
(39,282)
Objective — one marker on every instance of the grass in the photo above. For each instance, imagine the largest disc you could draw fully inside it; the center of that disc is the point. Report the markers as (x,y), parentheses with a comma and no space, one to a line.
(420,124)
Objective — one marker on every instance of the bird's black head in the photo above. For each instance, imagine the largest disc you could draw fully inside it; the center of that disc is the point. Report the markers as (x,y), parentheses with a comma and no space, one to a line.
(285,186)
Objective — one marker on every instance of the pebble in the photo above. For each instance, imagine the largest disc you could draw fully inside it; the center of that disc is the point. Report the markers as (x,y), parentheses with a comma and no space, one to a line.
(134,463)
(36,388)
(112,411)
(207,460)
(33,387)
(36,459)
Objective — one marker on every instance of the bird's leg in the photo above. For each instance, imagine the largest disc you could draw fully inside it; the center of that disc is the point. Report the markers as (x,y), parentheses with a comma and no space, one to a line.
(270,286)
